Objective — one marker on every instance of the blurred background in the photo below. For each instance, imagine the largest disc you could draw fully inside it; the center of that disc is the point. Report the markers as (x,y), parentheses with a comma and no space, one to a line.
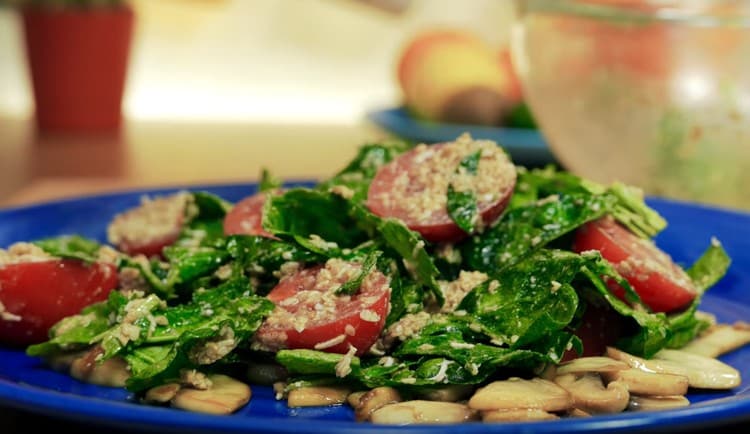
(280,61)
(109,94)
(216,89)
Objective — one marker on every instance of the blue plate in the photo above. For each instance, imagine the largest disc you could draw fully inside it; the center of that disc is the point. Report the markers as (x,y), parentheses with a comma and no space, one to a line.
(526,147)
(26,384)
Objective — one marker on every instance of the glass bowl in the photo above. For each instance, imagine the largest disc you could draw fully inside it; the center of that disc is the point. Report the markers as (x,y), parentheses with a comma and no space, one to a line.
(651,93)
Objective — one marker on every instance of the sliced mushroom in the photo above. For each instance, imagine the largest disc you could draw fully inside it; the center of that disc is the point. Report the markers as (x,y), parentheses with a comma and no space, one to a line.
(590,395)
(517,393)
(650,383)
(317,395)
(577,412)
(162,394)
(719,339)
(354,397)
(702,372)
(112,372)
(63,362)
(375,399)
(225,396)
(591,364)
(423,412)
(648,403)
(517,415)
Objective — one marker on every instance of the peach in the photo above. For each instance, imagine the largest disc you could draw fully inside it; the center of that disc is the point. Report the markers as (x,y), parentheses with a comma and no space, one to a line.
(453,75)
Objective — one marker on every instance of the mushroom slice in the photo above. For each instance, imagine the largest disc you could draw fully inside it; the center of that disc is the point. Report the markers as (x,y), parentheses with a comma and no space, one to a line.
(225,396)
(162,394)
(590,395)
(702,372)
(648,403)
(515,393)
(577,412)
(650,383)
(719,339)
(517,415)
(375,399)
(111,372)
(423,412)
(591,364)
(354,397)
(317,396)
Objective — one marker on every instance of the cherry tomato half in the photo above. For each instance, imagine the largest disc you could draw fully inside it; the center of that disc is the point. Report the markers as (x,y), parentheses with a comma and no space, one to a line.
(36,295)
(662,285)
(309,315)
(246,217)
(151,226)
(413,188)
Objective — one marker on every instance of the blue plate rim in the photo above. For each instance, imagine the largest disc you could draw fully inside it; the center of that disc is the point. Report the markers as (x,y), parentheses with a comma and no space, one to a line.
(122,413)
(526,146)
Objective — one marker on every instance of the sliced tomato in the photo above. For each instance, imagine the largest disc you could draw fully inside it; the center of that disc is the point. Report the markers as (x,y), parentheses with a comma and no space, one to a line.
(151,226)
(36,295)
(246,217)
(662,285)
(150,247)
(309,315)
(413,188)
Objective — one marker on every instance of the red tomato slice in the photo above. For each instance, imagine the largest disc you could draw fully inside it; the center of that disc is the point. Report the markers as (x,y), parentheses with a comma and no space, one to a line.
(661,284)
(413,187)
(152,247)
(148,228)
(309,315)
(246,217)
(36,295)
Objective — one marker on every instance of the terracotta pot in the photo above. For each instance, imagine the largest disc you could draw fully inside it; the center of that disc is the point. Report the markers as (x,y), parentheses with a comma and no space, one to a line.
(78,61)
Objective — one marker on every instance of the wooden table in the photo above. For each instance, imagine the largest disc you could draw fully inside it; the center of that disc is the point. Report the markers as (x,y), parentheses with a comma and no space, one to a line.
(36,166)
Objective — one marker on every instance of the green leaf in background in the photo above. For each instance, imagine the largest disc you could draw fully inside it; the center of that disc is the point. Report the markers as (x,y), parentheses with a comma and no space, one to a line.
(520,116)
(71,247)
(268,182)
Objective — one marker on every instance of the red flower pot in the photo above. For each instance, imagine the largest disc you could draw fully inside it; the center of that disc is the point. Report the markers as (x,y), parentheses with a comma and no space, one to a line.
(78,61)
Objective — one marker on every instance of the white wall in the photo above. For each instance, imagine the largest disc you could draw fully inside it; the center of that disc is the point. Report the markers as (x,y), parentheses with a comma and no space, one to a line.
(322,61)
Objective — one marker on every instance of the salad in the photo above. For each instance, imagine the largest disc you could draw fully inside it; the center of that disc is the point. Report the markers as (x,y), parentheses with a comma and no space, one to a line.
(420,284)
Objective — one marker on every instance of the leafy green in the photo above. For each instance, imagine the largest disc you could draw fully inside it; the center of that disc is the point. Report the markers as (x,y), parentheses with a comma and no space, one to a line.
(526,229)
(628,208)
(358,174)
(462,205)
(70,247)
(710,267)
(268,182)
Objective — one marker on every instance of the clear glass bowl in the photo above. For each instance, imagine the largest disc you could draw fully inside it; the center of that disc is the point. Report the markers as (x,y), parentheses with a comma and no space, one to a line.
(652,93)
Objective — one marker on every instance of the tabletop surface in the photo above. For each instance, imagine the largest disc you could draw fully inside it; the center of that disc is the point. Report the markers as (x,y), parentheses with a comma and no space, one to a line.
(37,166)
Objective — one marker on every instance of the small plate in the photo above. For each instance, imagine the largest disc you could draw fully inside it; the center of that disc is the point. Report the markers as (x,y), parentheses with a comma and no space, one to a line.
(527,147)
